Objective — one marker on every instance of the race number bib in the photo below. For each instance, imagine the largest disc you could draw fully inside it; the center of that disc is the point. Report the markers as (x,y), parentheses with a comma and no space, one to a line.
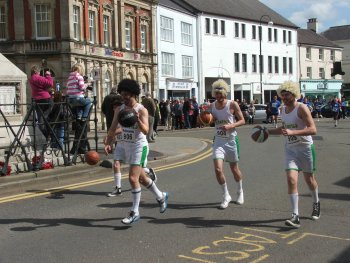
(119,137)
(128,135)
(221,133)
(291,139)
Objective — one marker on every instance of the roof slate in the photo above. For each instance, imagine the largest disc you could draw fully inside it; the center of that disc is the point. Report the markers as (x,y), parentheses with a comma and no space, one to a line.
(173,5)
(309,37)
(337,33)
(251,10)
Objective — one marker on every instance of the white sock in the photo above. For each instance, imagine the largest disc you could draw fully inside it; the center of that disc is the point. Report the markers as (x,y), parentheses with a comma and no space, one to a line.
(118,179)
(294,200)
(224,189)
(146,170)
(154,189)
(314,194)
(136,197)
(240,186)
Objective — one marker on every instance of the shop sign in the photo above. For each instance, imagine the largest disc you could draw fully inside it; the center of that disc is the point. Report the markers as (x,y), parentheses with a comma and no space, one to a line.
(110,52)
(174,85)
(322,85)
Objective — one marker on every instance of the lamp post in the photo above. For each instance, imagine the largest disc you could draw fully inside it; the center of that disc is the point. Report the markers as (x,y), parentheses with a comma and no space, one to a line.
(260,56)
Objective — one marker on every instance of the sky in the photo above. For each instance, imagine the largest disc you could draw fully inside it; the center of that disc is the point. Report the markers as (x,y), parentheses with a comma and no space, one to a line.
(328,12)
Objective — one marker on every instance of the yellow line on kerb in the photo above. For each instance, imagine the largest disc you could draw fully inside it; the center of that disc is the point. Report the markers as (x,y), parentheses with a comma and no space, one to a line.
(22,196)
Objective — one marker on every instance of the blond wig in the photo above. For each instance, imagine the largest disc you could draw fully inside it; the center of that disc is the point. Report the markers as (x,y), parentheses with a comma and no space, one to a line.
(291,87)
(220,86)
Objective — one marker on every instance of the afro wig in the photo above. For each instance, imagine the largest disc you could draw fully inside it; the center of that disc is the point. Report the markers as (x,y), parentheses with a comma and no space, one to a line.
(220,86)
(291,87)
(129,85)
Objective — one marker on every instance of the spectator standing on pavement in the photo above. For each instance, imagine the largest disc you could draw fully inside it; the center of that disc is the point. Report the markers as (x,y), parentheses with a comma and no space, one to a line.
(186,112)
(134,149)
(42,96)
(109,103)
(167,116)
(251,112)
(228,116)
(156,120)
(178,115)
(150,106)
(297,128)
(162,110)
(195,112)
(275,105)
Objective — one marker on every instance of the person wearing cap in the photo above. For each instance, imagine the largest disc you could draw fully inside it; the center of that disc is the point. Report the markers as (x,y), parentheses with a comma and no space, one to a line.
(228,116)
(297,129)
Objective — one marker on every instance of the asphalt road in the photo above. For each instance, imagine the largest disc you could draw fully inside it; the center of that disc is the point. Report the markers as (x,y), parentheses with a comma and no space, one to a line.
(82,225)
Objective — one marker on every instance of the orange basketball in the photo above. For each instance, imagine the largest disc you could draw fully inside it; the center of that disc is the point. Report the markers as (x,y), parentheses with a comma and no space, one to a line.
(259,134)
(205,118)
(92,157)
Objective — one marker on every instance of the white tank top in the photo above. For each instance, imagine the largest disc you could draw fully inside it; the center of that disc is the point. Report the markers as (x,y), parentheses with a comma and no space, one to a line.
(223,117)
(133,134)
(292,121)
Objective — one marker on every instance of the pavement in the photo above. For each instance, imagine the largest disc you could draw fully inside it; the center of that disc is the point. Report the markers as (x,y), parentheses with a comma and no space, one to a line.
(164,150)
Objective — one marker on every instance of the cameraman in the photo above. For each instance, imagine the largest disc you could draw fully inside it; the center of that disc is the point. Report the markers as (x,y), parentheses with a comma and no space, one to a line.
(76,88)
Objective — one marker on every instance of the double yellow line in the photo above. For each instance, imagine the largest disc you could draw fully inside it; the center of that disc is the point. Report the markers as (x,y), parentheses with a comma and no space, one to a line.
(43,192)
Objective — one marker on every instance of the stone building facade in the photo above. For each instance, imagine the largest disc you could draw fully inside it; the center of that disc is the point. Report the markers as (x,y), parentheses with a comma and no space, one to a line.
(112,39)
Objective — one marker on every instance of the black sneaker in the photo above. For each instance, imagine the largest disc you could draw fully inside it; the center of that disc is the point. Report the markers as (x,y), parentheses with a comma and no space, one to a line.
(316,211)
(115,192)
(152,175)
(294,221)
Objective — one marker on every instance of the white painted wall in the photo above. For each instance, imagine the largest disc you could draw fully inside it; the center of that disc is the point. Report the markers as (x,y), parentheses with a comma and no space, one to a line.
(176,47)
(216,55)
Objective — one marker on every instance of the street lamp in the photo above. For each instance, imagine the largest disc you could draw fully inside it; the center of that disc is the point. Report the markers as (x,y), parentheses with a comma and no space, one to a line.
(260,56)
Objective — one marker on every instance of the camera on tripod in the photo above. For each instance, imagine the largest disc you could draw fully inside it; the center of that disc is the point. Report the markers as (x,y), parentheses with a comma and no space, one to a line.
(89,87)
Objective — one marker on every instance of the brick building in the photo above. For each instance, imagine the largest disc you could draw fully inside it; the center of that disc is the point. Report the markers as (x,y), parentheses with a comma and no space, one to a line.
(113,39)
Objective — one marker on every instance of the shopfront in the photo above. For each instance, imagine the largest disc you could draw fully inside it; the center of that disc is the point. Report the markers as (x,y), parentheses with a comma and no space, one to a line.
(323,89)
(180,89)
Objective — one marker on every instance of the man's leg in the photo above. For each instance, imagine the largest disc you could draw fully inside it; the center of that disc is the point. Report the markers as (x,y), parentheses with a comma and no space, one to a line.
(292,180)
(117,179)
(237,174)
(220,177)
(134,175)
(313,186)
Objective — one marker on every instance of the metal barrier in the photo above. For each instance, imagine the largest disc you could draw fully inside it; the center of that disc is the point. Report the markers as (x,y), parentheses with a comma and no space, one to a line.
(36,118)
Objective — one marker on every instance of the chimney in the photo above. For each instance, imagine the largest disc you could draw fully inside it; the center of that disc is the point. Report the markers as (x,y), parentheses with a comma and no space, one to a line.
(312,24)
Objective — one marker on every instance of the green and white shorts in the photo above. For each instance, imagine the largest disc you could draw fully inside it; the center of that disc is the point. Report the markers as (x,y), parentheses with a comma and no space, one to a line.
(132,153)
(301,157)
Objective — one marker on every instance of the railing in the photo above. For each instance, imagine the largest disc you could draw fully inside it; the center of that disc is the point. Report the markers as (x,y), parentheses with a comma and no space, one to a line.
(58,128)
(44,45)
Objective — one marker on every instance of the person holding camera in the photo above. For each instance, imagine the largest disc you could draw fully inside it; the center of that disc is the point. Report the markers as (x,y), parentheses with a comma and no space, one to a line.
(76,88)
(41,86)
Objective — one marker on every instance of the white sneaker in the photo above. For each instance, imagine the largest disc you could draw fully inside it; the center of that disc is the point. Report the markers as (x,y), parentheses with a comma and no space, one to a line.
(240,198)
(131,218)
(225,202)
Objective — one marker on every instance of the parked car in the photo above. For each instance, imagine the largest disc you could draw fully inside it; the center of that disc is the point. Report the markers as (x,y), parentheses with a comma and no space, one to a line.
(326,111)
(260,113)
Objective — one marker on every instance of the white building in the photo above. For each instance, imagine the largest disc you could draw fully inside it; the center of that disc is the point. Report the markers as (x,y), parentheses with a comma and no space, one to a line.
(317,55)
(229,48)
(177,51)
